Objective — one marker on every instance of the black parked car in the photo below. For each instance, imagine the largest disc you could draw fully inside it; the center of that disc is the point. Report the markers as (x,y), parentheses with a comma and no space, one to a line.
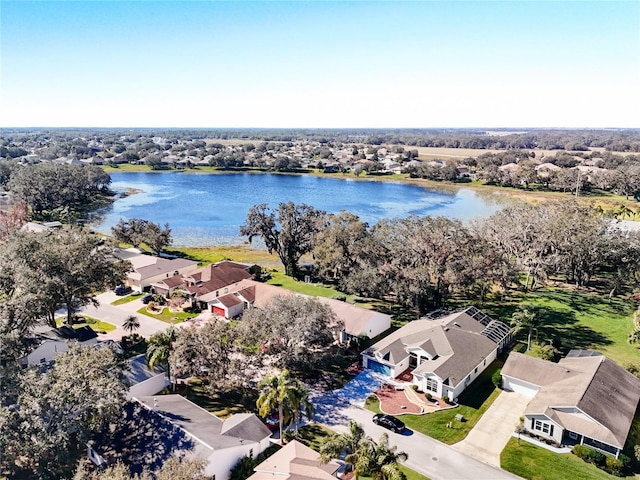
(389,422)
(148,298)
(122,290)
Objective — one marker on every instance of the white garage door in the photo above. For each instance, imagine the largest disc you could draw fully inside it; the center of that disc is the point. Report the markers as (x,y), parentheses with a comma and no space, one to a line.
(518,386)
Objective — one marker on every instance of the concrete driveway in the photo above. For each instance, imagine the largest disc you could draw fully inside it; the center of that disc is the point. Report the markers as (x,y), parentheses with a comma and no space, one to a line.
(330,405)
(492,432)
(116,315)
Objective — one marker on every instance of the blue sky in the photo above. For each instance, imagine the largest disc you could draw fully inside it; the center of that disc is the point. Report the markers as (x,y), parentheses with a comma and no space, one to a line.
(320,64)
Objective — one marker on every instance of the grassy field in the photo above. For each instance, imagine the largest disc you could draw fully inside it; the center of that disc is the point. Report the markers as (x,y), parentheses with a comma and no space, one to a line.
(536,463)
(167,316)
(127,299)
(238,253)
(314,435)
(278,278)
(473,402)
(578,319)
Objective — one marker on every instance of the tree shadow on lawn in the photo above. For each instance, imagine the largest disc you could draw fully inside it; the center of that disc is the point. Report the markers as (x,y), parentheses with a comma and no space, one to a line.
(563,328)
(224,402)
(481,389)
(557,310)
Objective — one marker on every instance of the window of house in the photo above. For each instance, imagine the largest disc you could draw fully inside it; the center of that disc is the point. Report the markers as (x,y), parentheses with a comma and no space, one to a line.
(543,427)
(476,370)
(432,385)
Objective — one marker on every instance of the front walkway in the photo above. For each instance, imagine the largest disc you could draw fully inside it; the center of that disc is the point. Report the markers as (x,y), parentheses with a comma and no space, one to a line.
(488,438)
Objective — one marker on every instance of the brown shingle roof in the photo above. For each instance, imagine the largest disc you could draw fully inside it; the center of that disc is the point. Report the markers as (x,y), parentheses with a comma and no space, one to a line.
(229,300)
(216,276)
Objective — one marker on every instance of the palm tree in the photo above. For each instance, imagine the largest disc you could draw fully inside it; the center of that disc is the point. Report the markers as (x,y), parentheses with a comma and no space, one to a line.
(300,404)
(383,464)
(277,391)
(524,319)
(357,446)
(159,348)
(131,323)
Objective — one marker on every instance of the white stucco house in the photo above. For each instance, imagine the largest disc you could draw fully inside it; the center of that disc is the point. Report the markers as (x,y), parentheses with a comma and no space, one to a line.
(49,342)
(155,428)
(585,398)
(442,355)
(148,269)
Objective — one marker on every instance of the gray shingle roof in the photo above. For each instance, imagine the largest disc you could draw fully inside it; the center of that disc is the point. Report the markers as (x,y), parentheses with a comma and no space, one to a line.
(596,385)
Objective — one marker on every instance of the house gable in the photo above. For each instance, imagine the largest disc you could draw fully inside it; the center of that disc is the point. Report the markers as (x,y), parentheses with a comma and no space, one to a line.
(585,393)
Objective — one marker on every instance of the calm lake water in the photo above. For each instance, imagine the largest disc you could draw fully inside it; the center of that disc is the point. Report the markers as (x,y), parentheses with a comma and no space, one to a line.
(206,209)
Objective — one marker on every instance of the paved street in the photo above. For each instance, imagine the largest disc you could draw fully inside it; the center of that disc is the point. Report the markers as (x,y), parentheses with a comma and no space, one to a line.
(116,315)
(492,432)
(426,455)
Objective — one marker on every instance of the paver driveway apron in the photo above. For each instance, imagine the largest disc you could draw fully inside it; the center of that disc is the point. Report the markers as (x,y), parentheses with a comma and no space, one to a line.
(492,432)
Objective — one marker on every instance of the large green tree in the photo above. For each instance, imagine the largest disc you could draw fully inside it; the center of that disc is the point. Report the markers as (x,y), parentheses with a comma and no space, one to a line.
(209,352)
(45,432)
(378,460)
(55,191)
(172,469)
(136,231)
(337,247)
(290,231)
(54,269)
(290,329)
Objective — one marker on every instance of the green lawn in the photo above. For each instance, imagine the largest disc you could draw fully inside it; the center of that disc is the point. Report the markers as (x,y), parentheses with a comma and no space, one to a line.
(577,319)
(127,299)
(314,435)
(167,316)
(473,402)
(536,463)
(279,279)
(222,403)
(97,325)
(238,253)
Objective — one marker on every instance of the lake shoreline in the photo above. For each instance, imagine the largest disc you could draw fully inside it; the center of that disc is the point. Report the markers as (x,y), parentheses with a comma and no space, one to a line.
(603,199)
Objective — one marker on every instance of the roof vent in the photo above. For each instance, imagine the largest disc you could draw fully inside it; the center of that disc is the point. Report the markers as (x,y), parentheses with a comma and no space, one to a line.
(446,329)
(457,324)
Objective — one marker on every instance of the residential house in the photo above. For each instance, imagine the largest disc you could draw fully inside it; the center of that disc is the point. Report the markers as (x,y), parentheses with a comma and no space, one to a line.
(149,269)
(142,381)
(49,342)
(440,355)
(247,293)
(295,461)
(207,284)
(585,398)
(153,429)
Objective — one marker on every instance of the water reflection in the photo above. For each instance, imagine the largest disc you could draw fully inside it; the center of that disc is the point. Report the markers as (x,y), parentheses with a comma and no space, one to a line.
(209,209)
